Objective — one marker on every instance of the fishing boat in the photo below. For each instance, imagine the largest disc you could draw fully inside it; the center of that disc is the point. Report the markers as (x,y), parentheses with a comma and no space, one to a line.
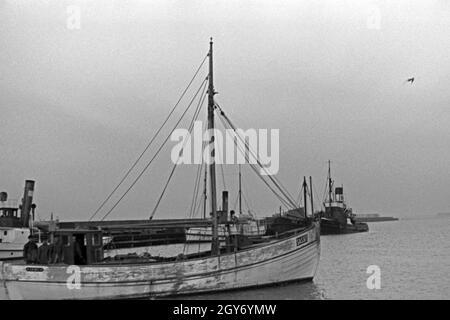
(337,218)
(15,225)
(240,263)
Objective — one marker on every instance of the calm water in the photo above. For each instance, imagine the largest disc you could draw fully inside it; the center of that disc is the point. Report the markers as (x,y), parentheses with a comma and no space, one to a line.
(413,255)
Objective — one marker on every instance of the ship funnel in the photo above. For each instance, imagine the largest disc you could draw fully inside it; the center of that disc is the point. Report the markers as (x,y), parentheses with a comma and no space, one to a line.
(339,192)
(225,202)
(27,203)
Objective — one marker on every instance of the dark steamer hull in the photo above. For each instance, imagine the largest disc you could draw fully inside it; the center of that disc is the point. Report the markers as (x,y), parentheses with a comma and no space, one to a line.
(329,226)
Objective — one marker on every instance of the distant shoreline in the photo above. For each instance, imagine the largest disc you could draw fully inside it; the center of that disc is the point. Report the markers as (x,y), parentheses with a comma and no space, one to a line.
(443,214)
(375,219)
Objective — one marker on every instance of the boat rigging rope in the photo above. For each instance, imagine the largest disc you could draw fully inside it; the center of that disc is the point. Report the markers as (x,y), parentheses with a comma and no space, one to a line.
(249,209)
(196,189)
(221,169)
(191,127)
(151,141)
(198,177)
(239,147)
(253,167)
(235,202)
(300,193)
(315,191)
(324,194)
(200,193)
(157,151)
(277,183)
(299,197)
(285,202)
(245,200)
(198,204)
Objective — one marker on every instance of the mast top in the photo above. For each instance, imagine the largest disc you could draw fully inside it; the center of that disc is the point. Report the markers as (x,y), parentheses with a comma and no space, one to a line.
(215,245)
(211,90)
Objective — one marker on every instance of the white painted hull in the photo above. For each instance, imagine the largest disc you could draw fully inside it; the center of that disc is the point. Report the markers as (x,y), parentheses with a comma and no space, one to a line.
(12,241)
(284,260)
(10,254)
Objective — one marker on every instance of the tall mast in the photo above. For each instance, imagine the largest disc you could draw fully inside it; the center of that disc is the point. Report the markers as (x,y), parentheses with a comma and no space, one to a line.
(240,191)
(305,191)
(329,184)
(311,195)
(212,166)
(205,195)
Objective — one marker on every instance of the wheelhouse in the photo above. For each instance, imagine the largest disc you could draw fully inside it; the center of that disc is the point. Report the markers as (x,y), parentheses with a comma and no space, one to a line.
(79,246)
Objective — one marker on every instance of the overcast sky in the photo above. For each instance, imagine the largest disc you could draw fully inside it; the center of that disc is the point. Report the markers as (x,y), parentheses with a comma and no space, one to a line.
(78,105)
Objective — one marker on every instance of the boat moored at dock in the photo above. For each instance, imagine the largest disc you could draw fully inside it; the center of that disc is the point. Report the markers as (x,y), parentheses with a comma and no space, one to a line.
(293,256)
(233,261)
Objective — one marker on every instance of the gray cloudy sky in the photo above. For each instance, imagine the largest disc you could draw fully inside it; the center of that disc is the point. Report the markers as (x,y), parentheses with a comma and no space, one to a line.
(77,106)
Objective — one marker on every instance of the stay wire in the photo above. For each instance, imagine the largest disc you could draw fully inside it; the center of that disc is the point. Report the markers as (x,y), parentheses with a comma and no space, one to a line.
(156,154)
(150,143)
(191,126)
(253,167)
(274,180)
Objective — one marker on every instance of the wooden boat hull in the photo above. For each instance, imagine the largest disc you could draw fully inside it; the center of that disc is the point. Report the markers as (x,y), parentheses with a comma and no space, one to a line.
(290,259)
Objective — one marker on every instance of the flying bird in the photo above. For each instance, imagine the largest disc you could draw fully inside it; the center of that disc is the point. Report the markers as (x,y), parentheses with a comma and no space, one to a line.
(410,80)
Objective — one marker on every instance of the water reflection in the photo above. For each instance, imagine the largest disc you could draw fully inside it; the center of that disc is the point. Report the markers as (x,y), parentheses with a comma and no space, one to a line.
(295,290)
(412,255)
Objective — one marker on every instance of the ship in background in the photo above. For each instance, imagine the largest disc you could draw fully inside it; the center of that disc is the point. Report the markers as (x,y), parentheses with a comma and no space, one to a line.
(443,214)
(337,218)
(16,223)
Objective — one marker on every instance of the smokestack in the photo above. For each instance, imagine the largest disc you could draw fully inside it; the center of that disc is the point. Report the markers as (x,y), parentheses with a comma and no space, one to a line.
(225,201)
(27,202)
(339,192)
